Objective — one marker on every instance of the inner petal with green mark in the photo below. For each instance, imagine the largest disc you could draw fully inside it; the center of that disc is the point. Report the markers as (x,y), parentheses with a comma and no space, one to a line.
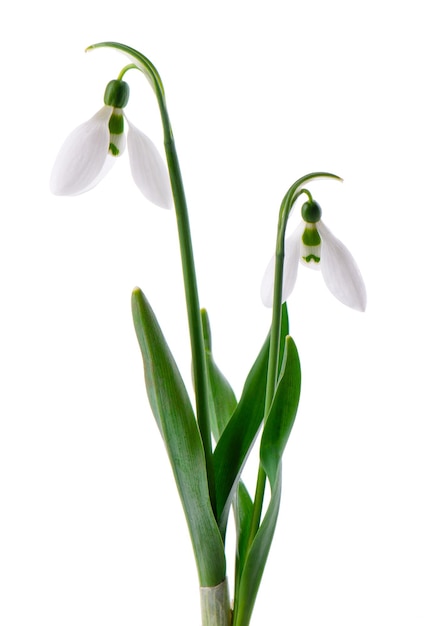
(116,127)
(310,248)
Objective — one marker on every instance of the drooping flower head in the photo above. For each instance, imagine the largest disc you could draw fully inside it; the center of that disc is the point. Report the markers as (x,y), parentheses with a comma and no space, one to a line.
(316,247)
(92,148)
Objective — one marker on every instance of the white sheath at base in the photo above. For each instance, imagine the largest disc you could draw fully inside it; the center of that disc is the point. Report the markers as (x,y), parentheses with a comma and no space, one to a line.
(215,605)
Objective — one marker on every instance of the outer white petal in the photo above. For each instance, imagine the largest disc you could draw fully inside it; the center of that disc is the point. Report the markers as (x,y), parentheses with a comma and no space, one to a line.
(266,289)
(82,158)
(148,168)
(340,272)
(291,265)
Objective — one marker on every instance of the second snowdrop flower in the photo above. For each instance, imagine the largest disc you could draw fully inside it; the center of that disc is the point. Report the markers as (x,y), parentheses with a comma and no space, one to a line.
(93,147)
(316,247)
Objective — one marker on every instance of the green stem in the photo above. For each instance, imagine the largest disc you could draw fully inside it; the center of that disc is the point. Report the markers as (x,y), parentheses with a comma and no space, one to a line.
(125,69)
(142,63)
(193,311)
(272,373)
(274,349)
(200,376)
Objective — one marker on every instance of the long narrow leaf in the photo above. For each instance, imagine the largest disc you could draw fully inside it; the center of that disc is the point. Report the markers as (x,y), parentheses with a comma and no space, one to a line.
(236,442)
(176,421)
(221,396)
(238,437)
(243,513)
(277,429)
(255,562)
(222,406)
(283,411)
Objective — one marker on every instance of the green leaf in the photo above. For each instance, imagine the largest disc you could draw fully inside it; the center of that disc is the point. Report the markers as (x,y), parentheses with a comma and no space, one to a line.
(235,444)
(221,399)
(222,405)
(283,411)
(174,415)
(275,436)
(243,512)
(238,437)
(252,572)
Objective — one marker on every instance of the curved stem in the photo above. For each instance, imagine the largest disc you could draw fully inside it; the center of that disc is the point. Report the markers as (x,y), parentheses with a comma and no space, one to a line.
(193,311)
(274,349)
(188,265)
(125,69)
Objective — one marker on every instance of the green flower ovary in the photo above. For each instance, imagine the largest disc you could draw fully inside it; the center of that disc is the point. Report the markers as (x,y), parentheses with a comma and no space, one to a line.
(116,94)
(311,212)
(311,245)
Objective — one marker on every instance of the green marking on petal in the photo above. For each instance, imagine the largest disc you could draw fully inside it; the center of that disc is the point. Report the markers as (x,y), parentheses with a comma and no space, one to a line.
(113,150)
(116,127)
(311,236)
(311,257)
(116,124)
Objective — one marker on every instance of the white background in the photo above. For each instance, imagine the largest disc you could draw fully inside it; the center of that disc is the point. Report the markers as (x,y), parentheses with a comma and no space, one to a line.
(259,93)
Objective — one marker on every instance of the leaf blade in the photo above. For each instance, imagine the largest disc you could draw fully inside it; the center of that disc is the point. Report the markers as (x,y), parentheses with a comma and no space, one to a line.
(282,413)
(221,399)
(239,435)
(175,418)
(278,425)
(236,442)
(255,562)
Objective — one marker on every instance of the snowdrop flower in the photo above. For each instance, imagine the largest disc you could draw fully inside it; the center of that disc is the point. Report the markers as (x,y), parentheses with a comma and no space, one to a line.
(317,248)
(93,147)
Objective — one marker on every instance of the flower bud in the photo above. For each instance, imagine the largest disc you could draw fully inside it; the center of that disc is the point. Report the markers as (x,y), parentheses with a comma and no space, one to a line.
(116,94)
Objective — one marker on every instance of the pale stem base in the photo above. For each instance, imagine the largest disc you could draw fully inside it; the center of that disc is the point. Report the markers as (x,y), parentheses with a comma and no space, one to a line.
(215,605)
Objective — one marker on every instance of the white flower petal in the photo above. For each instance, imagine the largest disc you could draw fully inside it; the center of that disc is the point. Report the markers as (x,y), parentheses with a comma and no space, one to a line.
(340,272)
(291,261)
(266,289)
(148,169)
(82,157)
(291,265)
(108,164)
